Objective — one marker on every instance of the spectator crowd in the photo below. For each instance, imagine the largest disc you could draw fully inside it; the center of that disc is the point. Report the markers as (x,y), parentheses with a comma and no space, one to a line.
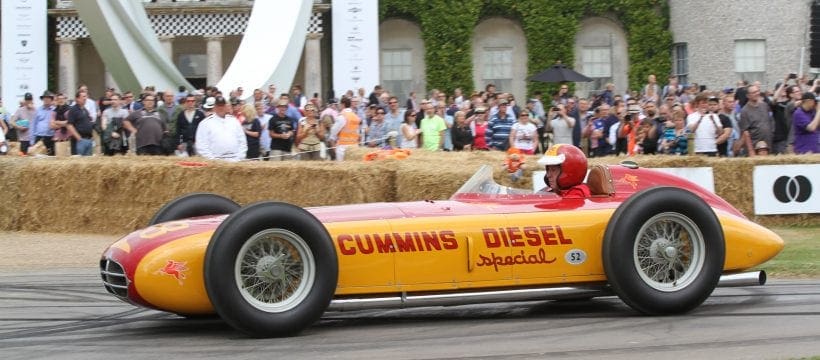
(668,118)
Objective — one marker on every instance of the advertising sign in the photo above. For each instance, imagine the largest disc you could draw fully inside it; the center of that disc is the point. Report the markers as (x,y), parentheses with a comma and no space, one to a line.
(786,189)
(355,45)
(24,50)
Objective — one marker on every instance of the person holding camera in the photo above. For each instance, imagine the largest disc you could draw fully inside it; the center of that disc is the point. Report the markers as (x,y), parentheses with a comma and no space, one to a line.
(560,125)
(783,105)
(806,122)
(706,126)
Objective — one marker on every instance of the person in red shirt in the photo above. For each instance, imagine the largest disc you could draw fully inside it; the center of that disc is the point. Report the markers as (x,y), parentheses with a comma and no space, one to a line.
(566,168)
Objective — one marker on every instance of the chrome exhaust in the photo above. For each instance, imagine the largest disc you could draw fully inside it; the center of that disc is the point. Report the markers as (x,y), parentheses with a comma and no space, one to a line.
(404,300)
(752,278)
(448,299)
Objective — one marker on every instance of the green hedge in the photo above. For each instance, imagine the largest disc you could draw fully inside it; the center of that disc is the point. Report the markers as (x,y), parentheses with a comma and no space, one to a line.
(549,26)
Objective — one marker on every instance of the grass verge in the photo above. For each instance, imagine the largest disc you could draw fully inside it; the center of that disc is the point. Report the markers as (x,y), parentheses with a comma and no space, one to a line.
(800,257)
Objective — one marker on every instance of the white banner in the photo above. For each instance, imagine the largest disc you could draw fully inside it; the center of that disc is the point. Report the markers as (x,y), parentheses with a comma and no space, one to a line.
(786,189)
(355,45)
(702,176)
(24,50)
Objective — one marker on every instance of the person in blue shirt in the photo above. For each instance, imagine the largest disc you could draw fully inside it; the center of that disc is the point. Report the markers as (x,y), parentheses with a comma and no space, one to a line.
(41,131)
(499,127)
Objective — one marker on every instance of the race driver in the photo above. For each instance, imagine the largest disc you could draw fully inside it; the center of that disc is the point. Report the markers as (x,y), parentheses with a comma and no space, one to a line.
(566,168)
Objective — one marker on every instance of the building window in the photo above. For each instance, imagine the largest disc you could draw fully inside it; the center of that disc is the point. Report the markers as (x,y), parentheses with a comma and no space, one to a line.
(597,64)
(397,74)
(681,57)
(498,68)
(193,65)
(750,59)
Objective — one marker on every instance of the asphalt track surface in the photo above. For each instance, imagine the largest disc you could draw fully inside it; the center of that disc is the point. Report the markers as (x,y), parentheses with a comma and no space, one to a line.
(66,314)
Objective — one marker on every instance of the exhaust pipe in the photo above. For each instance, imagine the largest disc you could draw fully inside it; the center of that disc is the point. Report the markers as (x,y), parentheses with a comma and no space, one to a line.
(753,278)
(404,300)
(448,299)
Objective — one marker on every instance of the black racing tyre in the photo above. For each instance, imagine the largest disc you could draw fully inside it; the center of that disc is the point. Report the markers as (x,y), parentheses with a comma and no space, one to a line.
(192,205)
(271,269)
(663,251)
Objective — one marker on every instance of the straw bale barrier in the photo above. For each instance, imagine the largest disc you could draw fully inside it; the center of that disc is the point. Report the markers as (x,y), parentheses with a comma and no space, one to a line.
(120,194)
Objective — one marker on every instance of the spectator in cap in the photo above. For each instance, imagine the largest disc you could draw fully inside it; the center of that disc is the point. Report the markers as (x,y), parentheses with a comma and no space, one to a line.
(220,136)
(41,130)
(806,122)
(22,119)
(281,132)
(498,129)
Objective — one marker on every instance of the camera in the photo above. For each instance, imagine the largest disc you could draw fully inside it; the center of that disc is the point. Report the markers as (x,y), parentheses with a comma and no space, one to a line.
(792,76)
(555,108)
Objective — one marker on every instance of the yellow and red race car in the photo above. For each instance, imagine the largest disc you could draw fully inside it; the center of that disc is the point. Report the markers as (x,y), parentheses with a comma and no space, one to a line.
(659,242)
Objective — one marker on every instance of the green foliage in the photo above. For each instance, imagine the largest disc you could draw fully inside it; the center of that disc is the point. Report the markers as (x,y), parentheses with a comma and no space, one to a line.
(549,27)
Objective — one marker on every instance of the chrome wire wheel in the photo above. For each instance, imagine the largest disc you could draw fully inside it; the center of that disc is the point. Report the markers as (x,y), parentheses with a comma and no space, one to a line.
(669,252)
(275,270)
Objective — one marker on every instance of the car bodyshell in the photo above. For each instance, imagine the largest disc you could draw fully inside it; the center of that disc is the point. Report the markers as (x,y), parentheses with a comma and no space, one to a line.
(476,240)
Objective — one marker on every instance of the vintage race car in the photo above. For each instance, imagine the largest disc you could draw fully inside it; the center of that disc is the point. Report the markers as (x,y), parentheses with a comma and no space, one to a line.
(659,242)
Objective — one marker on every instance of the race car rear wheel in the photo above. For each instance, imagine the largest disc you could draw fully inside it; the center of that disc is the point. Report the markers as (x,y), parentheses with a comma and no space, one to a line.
(663,251)
(192,205)
(271,269)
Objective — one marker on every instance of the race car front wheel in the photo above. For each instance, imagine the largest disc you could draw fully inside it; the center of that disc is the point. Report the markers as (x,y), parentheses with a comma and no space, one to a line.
(270,269)
(192,205)
(663,251)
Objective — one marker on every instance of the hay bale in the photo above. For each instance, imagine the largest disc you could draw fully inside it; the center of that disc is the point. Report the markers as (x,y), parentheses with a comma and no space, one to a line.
(113,195)
(9,192)
(120,194)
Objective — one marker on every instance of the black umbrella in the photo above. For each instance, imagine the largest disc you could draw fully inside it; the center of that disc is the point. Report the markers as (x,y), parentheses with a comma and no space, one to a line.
(559,73)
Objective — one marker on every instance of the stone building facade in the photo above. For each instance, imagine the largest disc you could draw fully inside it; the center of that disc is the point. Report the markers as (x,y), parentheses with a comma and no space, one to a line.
(715,44)
(720,42)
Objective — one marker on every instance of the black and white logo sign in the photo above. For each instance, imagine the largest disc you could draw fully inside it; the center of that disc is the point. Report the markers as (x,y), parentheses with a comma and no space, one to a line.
(786,189)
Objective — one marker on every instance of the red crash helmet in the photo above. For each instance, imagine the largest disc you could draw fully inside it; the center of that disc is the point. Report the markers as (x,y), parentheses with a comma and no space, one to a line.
(573,164)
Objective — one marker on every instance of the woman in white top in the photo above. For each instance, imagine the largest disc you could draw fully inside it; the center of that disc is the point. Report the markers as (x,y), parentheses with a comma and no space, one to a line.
(561,125)
(409,131)
(523,134)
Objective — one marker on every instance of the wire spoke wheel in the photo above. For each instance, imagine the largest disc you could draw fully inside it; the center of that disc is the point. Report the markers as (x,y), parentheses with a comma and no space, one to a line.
(274,270)
(663,251)
(668,251)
